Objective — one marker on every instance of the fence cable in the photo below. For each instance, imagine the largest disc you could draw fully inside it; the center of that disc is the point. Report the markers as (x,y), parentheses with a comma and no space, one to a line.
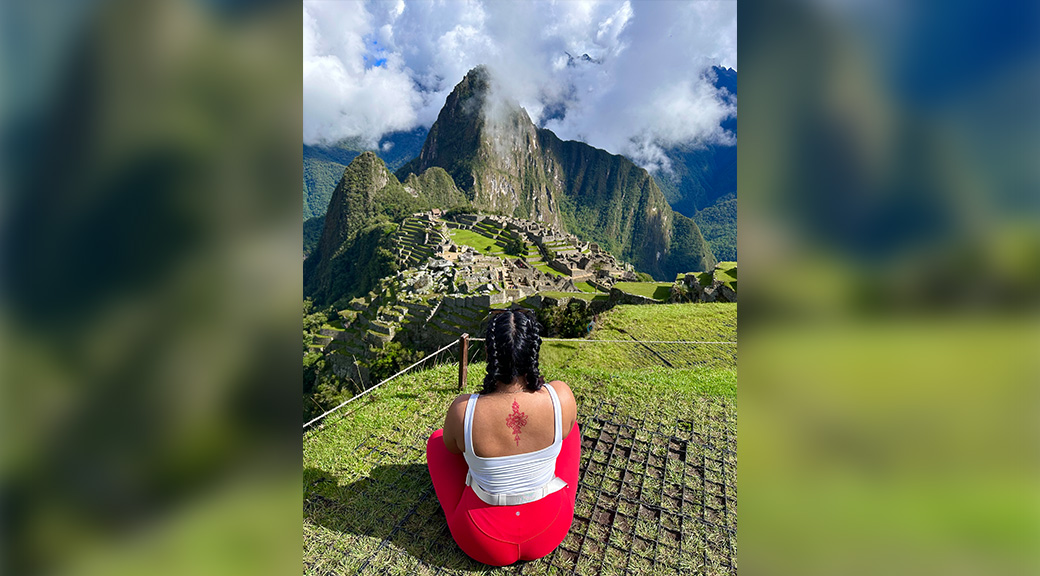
(628,341)
(578,340)
(345,402)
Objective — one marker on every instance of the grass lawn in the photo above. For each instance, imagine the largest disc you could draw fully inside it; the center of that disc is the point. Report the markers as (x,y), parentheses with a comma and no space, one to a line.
(705,322)
(583,295)
(726,272)
(716,321)
(655,290)
(656,491)
(334,325)
(481,244)
(545,268)
(586,287)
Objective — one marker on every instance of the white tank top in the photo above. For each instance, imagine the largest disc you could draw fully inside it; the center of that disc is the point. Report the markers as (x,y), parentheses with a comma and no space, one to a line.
(515,473)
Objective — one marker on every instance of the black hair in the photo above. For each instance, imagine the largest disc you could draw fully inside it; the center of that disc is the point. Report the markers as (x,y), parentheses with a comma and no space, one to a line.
(512,342)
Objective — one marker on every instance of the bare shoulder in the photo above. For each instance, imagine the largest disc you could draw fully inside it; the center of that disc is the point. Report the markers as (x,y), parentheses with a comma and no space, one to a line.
(454,422)
(562,390)
(567,404)
(457,410)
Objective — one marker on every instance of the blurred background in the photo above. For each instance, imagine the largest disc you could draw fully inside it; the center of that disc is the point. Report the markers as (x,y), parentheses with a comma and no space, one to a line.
(151,287)
(889,232)
(889,215)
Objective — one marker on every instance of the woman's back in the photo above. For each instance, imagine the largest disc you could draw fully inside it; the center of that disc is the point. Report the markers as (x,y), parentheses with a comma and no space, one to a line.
(504,425)
(502,429)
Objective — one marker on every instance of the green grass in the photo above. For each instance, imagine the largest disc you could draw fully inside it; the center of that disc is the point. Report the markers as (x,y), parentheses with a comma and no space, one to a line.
(545,268)
(583,295)
(481,244)
(726,272)
(586,287)
(588,296)
(364,474)
(715,322)
(655,290)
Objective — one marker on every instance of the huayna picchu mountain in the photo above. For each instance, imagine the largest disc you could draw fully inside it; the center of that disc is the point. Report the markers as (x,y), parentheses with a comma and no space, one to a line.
(504,163)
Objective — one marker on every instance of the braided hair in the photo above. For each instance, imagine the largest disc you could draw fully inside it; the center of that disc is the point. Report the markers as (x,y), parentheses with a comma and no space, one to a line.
(512,343)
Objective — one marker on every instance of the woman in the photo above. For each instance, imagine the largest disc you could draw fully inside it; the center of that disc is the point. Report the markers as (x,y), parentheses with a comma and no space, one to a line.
(505,465)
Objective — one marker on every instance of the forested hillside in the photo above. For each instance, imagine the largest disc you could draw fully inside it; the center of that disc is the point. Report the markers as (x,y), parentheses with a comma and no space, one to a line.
(323,165)
(702,178)
(718,224)
(354,249)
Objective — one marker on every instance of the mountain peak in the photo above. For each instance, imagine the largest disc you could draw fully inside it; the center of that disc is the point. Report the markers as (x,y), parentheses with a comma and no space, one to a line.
(479,74)
(504,163)
(475,129)
(468,97)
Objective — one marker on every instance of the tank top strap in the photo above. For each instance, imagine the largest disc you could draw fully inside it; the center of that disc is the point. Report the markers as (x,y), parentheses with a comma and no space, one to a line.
(557,415)
(467,424)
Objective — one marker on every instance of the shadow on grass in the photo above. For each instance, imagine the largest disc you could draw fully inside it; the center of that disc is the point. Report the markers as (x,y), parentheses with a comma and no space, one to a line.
(395,503)
(662,292)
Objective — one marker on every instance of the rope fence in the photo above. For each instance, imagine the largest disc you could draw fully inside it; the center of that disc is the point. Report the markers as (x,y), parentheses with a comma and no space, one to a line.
(591,341)
(564,351)
(366,391)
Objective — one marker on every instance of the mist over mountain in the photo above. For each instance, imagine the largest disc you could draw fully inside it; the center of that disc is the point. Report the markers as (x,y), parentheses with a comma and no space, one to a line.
(698,179)
(485,153)
(701,178)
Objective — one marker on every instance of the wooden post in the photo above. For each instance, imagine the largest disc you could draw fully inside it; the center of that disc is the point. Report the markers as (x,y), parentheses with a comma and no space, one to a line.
(463,360)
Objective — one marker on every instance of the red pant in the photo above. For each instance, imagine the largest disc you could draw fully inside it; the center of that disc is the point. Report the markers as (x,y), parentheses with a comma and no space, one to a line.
(501,535)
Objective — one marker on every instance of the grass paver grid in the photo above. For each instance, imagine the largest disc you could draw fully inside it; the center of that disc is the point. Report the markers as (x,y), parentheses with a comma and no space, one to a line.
(652,497)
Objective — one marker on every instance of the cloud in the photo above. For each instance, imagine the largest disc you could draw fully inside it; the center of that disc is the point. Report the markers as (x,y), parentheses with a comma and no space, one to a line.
(629,77)
(345,93)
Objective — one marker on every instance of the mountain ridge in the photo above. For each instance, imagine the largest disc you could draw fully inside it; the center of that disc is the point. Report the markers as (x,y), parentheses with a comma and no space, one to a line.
(702,179)
(503,162)
(354,250)
(323,164)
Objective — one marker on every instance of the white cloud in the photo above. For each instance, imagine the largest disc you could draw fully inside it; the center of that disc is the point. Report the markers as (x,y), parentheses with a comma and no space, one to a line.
(644,88)
(342,97)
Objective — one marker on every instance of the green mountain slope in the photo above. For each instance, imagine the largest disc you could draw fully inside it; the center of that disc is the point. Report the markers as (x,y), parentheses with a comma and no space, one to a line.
(354,249)
(703,179)
(718,223)
(323,165)
(320,177)
(312,228)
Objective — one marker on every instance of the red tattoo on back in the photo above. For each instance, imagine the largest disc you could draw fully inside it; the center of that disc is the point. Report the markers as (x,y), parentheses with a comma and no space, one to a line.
(516,421)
